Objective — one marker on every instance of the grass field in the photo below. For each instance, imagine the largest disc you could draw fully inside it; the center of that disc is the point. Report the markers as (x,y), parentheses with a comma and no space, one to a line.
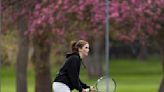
(130,75)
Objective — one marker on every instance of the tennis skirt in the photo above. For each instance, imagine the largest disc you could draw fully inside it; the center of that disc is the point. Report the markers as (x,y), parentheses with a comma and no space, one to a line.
(60,87)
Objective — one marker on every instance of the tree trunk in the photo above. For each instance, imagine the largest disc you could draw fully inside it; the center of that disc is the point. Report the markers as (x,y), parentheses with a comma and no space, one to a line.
(160,41)
(1,56)
(42,67)
(94,65)
(22,56)
(162,61)
(143,51)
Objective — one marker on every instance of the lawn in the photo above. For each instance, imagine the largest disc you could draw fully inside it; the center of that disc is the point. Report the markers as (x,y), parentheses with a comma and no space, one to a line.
(130,75)
(135,76)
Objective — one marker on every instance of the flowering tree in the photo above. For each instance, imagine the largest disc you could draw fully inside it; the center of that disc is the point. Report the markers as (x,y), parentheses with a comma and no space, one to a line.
(13,18)
(45,22)
(139,19)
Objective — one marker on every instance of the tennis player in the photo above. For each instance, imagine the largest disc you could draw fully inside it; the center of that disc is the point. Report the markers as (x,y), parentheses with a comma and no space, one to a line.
(68,77)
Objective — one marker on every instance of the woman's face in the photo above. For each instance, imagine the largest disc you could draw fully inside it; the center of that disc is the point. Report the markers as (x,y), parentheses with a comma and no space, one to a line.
(84,50)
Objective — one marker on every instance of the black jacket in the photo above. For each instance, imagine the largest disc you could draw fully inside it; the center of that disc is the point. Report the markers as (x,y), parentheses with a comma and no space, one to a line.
(69,73)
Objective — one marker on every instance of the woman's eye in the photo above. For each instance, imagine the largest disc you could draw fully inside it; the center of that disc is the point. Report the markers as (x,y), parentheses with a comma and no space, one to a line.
(86,47)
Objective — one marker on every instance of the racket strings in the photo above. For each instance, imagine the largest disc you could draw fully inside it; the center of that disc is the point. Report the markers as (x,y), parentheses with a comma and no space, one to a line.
(101,85)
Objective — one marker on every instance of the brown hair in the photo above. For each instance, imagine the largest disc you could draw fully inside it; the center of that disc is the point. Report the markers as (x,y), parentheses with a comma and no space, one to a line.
(75,45)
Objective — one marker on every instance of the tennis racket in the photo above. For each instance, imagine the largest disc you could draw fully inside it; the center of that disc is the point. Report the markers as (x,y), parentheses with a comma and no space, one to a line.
(101,85)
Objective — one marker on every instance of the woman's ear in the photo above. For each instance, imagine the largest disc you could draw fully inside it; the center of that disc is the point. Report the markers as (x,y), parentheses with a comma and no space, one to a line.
(79,49)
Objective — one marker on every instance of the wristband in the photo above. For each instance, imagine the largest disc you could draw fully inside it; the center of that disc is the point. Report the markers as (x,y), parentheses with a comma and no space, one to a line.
(87,90)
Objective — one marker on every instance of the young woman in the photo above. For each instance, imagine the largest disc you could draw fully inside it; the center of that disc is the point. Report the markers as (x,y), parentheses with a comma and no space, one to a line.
(68,77)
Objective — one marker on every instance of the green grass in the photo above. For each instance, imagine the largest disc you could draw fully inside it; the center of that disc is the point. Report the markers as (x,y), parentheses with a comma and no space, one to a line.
(136,76)
(130,75)
(8,80)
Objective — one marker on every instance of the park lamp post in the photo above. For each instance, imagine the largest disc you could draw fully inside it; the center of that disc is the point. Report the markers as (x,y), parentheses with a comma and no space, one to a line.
(107,43)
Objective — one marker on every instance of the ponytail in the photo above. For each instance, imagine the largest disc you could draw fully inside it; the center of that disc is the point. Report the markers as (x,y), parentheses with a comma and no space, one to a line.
(73,46)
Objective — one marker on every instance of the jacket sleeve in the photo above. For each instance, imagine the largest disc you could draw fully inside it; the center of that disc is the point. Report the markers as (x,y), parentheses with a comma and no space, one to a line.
(84,85)
(73,73)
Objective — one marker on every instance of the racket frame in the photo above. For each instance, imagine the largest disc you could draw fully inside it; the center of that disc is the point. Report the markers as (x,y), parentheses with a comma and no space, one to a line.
(103,77)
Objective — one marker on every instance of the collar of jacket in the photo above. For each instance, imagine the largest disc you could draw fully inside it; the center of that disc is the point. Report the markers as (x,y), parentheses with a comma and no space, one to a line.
(73,53)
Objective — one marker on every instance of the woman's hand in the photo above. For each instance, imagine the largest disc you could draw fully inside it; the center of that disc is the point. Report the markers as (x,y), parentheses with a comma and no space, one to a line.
(92,89)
